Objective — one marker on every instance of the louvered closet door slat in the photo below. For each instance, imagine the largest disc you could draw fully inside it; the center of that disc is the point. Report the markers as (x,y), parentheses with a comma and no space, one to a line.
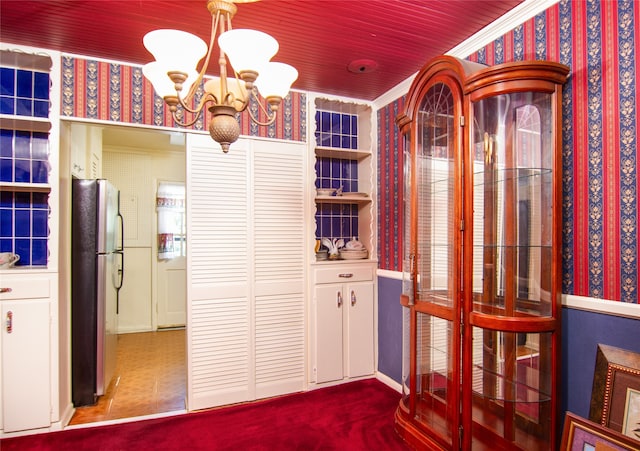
(279,267)
(218,274)
(279,212)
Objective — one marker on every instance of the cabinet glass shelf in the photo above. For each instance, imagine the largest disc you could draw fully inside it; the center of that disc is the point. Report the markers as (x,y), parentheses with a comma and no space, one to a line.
(443,183)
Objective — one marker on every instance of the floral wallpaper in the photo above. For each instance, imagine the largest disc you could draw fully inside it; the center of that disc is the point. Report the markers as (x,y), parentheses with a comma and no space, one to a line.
(601,136)
(120,93)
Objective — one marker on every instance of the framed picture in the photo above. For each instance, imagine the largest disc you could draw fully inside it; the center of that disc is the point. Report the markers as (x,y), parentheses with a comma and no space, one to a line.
(631,420)
(580,434)
(615,396)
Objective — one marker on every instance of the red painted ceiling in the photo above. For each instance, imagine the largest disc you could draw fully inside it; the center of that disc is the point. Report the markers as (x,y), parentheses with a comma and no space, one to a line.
(319,38)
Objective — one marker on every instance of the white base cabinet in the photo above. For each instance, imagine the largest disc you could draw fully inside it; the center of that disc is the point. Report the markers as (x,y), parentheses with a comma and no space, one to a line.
(26,372)
(344,322)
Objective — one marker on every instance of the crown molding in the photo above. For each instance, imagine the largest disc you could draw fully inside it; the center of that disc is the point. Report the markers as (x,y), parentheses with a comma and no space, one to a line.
(518,15)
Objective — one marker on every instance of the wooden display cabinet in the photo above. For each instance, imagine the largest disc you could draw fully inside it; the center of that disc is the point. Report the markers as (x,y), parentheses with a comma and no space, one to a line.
(482,263)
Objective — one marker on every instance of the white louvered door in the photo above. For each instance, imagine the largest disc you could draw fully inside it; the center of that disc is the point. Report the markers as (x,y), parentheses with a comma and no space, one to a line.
(279,231)
(218,265)
(245,270)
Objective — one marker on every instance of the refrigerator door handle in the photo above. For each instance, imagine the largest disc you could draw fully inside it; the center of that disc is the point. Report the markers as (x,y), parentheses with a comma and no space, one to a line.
(120,252)
(120,279)
(120,246)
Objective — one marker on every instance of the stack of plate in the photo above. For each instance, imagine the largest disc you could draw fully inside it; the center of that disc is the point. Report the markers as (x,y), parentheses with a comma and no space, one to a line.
(322,255)
(353,254)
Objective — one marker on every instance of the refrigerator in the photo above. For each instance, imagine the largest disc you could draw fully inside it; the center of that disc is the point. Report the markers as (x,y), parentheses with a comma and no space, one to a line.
(97,270)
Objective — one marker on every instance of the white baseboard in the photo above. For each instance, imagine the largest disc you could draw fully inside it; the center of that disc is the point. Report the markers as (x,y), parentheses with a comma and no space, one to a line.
(386,380)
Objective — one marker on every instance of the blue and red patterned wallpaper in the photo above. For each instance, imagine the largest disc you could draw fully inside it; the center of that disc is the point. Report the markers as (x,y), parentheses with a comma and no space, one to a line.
(390,188)
(598,40)
(119,93)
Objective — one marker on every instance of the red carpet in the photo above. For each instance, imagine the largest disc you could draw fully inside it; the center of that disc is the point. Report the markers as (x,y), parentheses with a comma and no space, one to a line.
(353,416)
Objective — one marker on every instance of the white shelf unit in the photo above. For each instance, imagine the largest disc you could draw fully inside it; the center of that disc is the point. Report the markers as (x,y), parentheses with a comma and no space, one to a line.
(343,292)
(363,156)
(31,392)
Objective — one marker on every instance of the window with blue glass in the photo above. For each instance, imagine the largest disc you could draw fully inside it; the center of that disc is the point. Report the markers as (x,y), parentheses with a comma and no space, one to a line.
(24,226)
(336,221)
(337,173)
(24,167)
(24,156)
(24,92)
(340,131)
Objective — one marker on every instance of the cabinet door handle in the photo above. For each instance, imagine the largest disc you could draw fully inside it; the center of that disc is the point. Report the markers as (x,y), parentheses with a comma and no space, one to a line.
(9,321)
(5,290)
(353,298)
(339,299)
(346,275)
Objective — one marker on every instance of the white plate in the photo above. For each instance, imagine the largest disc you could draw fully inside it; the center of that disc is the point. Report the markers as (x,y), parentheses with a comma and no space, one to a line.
(325,191)
(353,254)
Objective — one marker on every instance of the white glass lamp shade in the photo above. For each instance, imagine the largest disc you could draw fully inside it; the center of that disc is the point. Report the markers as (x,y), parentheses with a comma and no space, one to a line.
(174,49)
(247,50)
(276,79)
(156,73)
(234,86)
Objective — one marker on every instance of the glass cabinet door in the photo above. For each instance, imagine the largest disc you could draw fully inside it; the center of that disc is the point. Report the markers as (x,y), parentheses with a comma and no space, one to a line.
(433,262)
(512,155)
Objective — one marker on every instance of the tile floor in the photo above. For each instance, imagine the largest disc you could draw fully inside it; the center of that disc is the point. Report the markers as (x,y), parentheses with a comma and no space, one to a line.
(151,377)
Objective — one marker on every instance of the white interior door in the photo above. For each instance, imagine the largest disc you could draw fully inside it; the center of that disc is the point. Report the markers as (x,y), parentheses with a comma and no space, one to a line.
(172,292)
(219,349)
(278,249)
(245,270)
(171,284)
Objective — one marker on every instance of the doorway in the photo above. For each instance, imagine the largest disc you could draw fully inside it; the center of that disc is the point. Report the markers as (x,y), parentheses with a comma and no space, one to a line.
(150,378)
(152,373)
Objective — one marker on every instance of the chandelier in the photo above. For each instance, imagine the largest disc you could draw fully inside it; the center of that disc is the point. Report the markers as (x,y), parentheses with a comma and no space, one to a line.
(175,77)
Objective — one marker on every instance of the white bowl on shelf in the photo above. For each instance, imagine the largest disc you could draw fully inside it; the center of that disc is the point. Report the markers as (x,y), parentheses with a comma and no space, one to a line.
(325,191)
(353,254)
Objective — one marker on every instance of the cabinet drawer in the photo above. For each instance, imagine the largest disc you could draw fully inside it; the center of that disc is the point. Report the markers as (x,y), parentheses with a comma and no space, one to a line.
(25,288)
(346,274)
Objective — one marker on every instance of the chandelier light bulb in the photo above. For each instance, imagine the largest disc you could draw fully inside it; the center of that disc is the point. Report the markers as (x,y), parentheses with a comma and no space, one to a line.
(177,50)
(247,50)
(156,73)
(275,79)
